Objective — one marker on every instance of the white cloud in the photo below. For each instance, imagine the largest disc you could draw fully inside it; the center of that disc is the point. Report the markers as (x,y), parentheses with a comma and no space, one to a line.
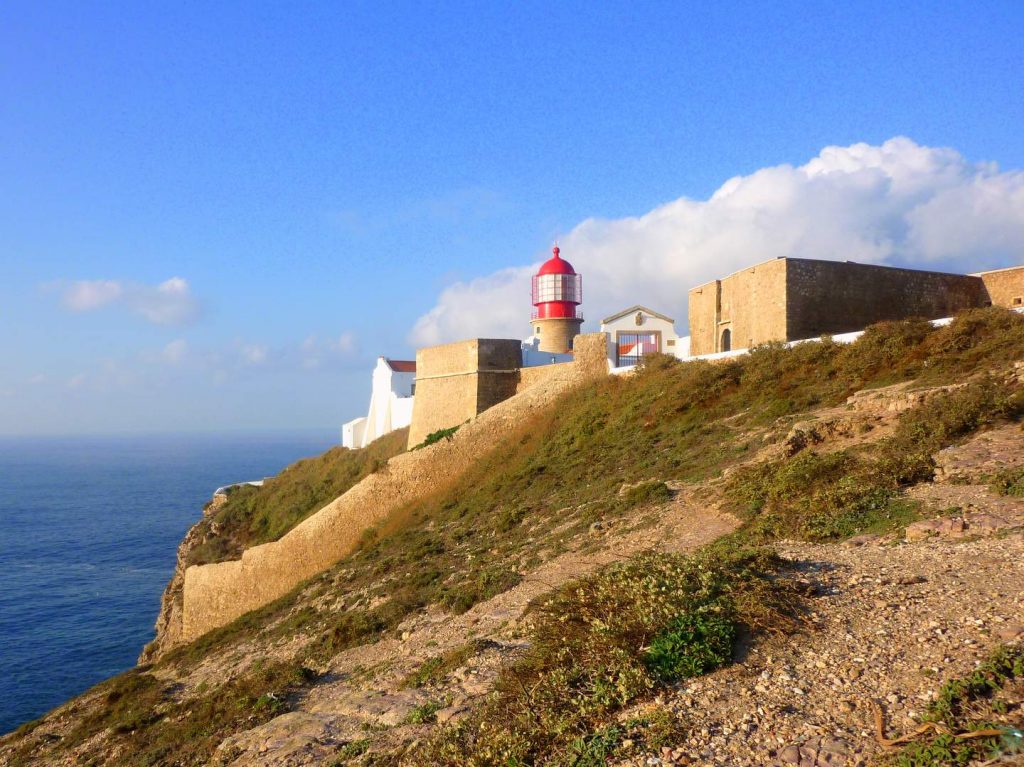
(86,295)
(345,343)
(174,353)
(313,352)
(169,303)
(254,354)
(898,203)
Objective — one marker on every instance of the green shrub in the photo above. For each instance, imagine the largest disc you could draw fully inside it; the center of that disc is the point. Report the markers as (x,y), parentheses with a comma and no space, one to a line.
(601,642)
(424,713)
(693,644)
(1009,482)
(437,436)
(967,705)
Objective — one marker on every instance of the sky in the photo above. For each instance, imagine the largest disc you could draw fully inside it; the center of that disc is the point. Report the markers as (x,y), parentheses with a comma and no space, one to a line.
(216,216)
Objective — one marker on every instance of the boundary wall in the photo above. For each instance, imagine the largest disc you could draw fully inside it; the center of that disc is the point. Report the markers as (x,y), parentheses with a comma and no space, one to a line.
(789,299)
(216,594)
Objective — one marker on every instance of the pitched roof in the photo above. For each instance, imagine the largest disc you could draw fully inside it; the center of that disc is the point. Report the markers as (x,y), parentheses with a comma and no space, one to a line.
(401,366)
(637,308)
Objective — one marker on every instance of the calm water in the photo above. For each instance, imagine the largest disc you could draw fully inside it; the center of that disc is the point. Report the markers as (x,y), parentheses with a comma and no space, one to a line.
(89,528)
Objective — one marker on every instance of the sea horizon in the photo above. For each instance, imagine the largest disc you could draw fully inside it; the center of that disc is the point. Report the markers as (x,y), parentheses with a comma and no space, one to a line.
(89,530)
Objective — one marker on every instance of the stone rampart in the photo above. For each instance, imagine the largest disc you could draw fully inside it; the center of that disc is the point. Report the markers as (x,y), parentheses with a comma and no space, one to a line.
(1005,287)
(457,381)
(839,297)
(789,299)
(216,594)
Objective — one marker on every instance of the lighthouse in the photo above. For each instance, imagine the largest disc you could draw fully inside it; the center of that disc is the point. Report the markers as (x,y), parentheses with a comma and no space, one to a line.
(557,294)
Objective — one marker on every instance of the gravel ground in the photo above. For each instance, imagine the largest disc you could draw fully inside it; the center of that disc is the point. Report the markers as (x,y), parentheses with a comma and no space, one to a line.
(890,622)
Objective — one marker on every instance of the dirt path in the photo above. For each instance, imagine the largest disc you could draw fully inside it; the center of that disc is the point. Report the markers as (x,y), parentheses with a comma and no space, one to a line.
(363,690)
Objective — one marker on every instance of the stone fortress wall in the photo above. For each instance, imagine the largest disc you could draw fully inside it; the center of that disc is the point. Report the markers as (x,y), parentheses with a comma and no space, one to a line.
(750,304)
(789,299)
(1005,287)
(216,594)
(457,381)
(840,296)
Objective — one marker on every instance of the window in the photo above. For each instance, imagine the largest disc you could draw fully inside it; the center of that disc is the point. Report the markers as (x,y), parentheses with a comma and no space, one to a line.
(557,287)
(631,347)
(726,340)
(1018,301)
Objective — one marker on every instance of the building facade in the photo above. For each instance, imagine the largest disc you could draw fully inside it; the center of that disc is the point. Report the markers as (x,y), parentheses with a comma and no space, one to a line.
(638,331)
(391,403)
(789,299)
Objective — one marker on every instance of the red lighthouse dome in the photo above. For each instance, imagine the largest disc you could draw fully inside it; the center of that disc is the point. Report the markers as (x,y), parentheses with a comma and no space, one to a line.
(557,289)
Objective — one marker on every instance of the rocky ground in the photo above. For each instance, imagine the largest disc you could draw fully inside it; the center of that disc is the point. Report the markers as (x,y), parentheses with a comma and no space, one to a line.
(893,618)
(891,621)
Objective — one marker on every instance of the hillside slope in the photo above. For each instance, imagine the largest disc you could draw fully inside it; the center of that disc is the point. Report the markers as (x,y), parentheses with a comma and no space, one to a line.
(651,570)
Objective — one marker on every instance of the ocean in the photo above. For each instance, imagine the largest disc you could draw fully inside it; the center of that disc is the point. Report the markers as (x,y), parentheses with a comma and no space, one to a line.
(89,529)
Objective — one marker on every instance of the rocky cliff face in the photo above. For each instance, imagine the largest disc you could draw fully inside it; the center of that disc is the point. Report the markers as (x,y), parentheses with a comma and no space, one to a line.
(168,621)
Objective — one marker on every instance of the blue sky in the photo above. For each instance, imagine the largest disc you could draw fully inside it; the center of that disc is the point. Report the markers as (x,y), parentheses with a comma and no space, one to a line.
(214,216)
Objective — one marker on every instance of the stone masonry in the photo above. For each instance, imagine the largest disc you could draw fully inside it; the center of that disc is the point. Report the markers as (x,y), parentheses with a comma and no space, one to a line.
(789,299)
(216,594)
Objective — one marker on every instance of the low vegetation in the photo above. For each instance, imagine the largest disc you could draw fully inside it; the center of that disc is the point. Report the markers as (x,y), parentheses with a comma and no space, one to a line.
(437,668)
(979,717)
(255,515)
(1009,482)
(604,641)
(609,640)
(437,436)
(829,496)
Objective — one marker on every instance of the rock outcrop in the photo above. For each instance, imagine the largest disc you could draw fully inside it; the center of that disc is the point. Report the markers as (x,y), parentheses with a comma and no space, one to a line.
(168,620)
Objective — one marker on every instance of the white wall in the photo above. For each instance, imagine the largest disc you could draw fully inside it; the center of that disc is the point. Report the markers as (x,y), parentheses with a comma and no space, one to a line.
(390,407)
(532,356)
(648,323)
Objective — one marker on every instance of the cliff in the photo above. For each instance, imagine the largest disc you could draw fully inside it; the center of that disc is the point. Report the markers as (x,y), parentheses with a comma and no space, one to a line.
(169,619)
(793,557)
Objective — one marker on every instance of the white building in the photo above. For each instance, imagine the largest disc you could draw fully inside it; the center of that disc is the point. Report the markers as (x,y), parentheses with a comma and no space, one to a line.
(394,383)
(533,356)
(637,331)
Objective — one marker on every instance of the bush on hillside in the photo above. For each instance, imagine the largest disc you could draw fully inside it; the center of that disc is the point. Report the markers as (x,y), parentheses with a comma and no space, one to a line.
(255,515)
(834,495)
(601,642)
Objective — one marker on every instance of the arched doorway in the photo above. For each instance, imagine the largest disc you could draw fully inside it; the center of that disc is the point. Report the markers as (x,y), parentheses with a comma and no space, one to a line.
(726,340)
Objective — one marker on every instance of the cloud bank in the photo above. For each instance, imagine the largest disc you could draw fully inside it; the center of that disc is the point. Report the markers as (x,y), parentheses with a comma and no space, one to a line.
(899,203)
(169,303)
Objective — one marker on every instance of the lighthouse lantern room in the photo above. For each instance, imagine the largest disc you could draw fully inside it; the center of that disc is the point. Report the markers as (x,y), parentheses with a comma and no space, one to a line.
(557,294)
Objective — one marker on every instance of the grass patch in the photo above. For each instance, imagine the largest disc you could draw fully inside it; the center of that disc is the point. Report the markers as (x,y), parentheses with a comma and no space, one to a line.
(831,496)
(435,669)
(351,750)
(424,713)
(1009,482)
(602,642)
(647,493)
(161,726)
(976,702)
(255,515)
